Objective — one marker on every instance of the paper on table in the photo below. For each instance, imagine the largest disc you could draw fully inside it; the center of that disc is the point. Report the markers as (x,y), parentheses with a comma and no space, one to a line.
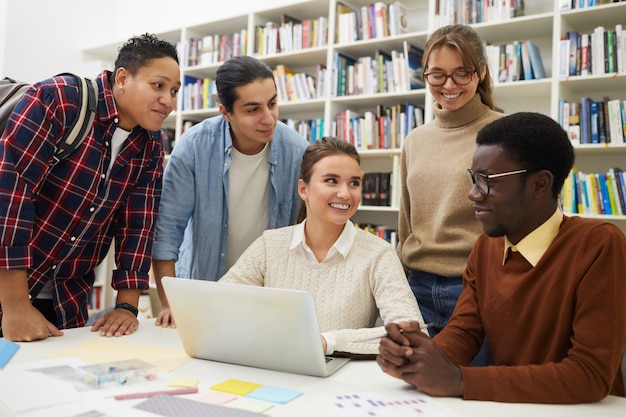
(217,397)
(23,390)
(236,386)
(183,382)
(7,350)
(170,406)
(397,403)
(274,394)
(106,350)
(248,404)
(92,408)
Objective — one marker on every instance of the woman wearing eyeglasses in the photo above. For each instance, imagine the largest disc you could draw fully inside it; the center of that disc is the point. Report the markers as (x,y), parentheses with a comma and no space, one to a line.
(436,224)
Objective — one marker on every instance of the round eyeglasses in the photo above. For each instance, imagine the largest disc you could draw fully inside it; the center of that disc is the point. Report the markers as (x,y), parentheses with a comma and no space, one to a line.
(437,79)
(481,181)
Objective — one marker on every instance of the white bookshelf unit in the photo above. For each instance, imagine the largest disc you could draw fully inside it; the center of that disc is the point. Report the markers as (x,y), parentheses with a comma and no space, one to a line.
(543,22)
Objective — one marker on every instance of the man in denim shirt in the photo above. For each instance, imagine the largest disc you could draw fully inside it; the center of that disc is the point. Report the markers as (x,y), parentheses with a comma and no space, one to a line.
(228,179)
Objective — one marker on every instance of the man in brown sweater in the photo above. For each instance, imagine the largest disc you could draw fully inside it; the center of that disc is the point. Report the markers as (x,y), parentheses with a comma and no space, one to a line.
(548,291)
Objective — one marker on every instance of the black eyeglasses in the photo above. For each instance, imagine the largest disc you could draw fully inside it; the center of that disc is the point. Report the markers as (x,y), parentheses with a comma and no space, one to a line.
(437,79)
(481,181)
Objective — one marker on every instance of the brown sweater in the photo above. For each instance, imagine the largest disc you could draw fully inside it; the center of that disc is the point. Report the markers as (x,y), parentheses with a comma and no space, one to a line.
(436,224)
(556,331)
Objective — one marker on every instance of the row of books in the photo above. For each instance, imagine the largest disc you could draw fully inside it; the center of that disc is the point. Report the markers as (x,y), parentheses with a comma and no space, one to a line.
(311,130)
(213,49)
(595,193)
(198,93)
(594,121)
(371,21)
(383,232)
(515,61)
(394,72)
(583,4)
(376,189)
(602,51)
(467,12)
(290,35)
(385,128)
(298,86)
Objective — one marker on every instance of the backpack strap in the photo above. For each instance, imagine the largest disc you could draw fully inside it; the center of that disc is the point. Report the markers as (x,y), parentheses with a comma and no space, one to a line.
(78,130)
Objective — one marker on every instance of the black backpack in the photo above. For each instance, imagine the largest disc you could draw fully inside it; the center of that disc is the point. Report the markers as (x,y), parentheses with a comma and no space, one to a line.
(11,91)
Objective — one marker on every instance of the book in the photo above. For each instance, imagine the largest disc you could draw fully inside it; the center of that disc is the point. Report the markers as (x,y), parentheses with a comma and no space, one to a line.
(620,182)
(535,60)
(341,31)
(615,123)
(398,19)
(614,192)
(594,123)
(384,189)
(415,70)
(526,66)
(604,194)
(574,42)
(585,58)
(585,120)
(370,189)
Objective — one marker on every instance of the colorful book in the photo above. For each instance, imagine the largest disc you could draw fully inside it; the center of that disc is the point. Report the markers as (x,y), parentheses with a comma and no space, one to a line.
(535,60)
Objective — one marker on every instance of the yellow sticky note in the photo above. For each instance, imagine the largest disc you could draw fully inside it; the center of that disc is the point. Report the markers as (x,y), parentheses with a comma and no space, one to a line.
(183,382)
(236,386)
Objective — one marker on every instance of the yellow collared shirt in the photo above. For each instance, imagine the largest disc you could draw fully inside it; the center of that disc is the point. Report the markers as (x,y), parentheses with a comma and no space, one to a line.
(534,245)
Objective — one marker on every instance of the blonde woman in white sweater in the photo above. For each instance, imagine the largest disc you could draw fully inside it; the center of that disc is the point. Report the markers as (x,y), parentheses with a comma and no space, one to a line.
(353,275)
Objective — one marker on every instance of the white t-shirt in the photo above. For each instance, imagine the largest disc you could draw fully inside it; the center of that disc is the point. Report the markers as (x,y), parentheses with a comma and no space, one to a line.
(248,213)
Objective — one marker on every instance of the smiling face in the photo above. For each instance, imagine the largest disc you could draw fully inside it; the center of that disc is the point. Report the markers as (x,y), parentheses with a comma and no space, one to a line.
(451,96)
(149,96)
(254,116)
(333,194)
(508,208)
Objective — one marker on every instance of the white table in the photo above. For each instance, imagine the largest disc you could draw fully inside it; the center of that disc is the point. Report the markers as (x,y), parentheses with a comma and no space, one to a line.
(355,377)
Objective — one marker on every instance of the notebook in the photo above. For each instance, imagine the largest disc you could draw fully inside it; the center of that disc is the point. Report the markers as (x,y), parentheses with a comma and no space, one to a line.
(262,327)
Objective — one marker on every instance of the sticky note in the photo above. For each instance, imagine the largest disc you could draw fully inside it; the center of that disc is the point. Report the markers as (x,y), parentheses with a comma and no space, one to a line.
(183,382)
(217,397)
(243,403)
(274,394)
(7,350)
(236,386)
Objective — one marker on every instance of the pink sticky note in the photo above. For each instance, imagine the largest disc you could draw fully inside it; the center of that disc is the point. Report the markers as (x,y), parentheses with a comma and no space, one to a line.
(218,398)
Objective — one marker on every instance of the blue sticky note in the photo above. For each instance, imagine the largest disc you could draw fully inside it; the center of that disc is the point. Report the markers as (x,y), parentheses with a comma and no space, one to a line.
(274,394)
(7,350)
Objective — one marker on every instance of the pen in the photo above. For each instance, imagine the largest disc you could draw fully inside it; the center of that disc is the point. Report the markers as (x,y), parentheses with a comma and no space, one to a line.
(148,394)
(365,339)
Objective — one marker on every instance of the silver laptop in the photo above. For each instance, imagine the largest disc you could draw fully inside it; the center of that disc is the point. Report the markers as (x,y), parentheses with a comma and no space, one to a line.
(263,327)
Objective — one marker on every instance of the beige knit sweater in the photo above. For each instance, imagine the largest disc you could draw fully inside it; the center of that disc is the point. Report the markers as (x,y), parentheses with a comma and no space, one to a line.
(436,224)
(349,293)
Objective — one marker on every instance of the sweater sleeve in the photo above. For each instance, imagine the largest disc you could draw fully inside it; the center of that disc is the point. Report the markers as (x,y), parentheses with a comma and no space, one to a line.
(393,297)
(588,368)
(250,267)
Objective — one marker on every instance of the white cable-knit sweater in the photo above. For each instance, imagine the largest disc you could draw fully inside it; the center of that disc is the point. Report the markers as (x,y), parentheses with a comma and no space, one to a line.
(349,293)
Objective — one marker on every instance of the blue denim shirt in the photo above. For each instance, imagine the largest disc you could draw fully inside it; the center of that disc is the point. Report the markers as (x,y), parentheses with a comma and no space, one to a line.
(192,223)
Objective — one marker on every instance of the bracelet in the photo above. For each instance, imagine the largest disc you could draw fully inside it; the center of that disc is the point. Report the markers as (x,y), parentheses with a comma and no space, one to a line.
(128,307)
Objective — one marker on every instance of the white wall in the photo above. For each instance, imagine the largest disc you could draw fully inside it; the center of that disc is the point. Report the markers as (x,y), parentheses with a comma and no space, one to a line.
(40,38)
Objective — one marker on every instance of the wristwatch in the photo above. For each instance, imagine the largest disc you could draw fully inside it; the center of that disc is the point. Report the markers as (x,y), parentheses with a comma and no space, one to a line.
(128,307)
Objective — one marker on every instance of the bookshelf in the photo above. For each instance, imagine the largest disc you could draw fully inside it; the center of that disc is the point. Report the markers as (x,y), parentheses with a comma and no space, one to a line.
(543,23)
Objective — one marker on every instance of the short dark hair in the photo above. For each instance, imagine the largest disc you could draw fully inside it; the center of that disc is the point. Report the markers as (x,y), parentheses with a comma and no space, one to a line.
(238,71)
(534,140)
(138,51)
(327,146)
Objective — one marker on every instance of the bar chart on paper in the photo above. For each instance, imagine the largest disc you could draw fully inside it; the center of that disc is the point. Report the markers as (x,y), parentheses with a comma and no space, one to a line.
(380,404)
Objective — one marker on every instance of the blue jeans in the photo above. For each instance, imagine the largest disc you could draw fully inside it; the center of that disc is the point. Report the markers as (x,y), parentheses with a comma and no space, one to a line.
(436,296)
